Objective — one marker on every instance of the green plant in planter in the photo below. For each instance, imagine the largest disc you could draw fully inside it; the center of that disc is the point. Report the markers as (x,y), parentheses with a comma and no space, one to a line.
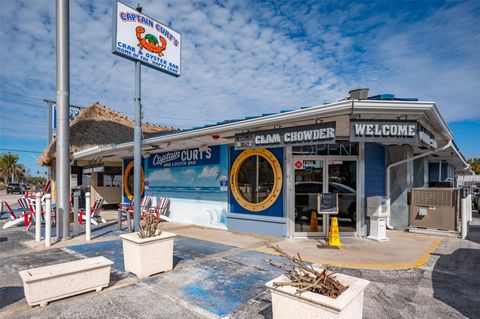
(149,226)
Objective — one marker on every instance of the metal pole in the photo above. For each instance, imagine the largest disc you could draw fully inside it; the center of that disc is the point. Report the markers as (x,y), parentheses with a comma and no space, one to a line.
(50,134)
(48,219)
(88,217)
(76,194)
(63,130)
(38,214)
(137,148)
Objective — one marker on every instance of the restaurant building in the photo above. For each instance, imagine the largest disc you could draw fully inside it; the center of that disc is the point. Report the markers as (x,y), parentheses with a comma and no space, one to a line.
(262,174)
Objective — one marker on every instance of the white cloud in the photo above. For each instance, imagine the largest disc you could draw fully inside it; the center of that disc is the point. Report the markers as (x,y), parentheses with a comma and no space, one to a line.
(161,175)
(209,172)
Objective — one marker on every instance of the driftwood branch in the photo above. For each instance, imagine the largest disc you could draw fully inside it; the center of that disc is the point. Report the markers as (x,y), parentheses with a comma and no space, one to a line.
(305,277)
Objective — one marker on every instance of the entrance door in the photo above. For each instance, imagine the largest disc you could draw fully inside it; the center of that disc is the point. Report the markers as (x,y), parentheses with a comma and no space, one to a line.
(309,182)
(342,179)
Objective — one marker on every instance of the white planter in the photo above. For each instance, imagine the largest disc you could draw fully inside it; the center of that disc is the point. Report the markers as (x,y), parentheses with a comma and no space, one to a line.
(287,304)
(148,256)
(45,284)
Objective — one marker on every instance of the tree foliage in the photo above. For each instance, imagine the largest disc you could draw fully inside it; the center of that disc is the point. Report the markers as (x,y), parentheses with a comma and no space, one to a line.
(475,165)
(9,168)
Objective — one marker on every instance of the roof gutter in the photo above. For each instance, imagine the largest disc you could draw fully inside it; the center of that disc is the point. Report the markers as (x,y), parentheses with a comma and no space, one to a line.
(389,167)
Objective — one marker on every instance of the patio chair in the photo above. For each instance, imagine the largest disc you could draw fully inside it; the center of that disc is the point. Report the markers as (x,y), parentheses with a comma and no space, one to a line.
(94,213)
(163,209)
(14,218)
(127,211)
(28,211)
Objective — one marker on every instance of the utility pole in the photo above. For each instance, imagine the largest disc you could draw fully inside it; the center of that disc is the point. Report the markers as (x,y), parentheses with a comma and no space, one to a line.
(63,129)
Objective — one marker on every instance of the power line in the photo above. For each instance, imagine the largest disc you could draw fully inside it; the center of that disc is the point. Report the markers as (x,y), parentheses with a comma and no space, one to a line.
(14,150)
(30,97)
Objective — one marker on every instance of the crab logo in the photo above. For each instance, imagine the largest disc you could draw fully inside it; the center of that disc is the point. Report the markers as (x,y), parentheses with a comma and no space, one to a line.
(150,42)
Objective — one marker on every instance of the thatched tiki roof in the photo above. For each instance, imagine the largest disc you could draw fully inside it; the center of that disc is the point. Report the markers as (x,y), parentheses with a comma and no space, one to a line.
(99,125)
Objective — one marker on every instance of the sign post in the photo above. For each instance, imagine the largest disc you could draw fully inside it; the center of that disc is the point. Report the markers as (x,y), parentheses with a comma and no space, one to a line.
(137,149)
(141,39)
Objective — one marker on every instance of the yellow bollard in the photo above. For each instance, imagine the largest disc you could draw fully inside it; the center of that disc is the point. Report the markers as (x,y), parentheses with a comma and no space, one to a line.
(334,238)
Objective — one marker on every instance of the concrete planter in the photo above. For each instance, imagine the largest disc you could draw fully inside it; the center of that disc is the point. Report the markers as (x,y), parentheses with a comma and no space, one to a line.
(349,305)
(45,284)
(148,256)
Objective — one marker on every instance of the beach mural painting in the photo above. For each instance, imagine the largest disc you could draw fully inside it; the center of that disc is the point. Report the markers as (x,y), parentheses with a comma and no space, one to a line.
(194,179)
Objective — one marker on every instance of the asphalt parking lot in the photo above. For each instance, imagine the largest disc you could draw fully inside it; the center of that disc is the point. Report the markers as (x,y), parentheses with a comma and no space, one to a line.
(212,280)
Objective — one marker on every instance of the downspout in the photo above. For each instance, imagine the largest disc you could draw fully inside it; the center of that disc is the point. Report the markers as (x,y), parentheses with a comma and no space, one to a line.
(387,179)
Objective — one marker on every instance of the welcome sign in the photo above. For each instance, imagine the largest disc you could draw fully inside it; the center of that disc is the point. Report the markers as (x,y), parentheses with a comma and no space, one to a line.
(392,132)
(321,133)
(383,131)
(138,37)
(190,157)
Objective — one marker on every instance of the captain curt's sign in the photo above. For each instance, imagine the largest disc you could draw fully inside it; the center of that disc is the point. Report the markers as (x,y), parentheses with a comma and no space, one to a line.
(138,37)
(322,133)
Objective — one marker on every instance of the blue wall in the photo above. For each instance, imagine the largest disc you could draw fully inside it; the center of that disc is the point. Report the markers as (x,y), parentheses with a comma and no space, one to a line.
(374,169)
(276,210)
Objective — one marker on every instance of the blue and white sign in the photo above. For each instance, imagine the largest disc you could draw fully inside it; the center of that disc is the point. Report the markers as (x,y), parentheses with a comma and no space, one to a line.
(223,183)
(138,37)
(191,157)
(72,115)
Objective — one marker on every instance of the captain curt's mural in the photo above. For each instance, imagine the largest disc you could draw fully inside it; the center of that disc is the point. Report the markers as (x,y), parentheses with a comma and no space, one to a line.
(195,180)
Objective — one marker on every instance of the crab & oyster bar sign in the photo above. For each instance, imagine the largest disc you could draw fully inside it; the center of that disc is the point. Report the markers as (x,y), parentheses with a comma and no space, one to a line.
(322,133)
(140,38)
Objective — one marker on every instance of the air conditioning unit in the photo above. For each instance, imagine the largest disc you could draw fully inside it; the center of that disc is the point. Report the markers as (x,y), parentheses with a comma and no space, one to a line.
(435,208)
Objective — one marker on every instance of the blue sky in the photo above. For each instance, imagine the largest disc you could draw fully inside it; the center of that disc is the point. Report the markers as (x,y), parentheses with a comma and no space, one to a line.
(243,58)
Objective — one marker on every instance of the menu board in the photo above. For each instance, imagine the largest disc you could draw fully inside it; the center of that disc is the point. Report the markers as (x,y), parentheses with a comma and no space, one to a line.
(328,203)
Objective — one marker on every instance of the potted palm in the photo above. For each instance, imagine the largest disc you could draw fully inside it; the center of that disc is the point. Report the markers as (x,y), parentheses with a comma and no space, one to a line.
(149,251)
(312,291)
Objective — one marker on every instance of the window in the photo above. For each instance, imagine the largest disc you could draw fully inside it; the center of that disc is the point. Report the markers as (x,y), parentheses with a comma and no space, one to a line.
(111,176)
(256,179)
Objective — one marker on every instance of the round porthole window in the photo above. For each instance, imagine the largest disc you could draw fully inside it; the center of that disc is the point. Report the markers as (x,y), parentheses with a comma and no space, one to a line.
(128,181)
(256,179)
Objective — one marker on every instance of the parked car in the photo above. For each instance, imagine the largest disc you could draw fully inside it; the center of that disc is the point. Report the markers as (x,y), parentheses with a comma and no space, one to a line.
(14,188)
(305,200)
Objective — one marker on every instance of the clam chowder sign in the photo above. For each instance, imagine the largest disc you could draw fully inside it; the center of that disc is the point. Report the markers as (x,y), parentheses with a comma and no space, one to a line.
(181,158)
(321,133)
(140,38)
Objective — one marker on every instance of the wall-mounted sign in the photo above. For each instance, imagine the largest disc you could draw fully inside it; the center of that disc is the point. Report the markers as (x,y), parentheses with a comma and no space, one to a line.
(292,136)
(383,131)
(426,138)
(138,37)
(190,157)
(223,183)
(96,169)
(391,132)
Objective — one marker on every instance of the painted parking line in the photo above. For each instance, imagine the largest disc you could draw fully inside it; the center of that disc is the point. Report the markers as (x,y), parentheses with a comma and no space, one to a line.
(418,263)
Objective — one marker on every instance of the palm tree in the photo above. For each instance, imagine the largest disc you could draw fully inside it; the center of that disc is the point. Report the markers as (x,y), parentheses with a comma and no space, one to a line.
(9,166)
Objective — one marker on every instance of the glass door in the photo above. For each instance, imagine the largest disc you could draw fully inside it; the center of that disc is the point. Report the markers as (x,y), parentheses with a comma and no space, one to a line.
(309,175)
(342,179)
